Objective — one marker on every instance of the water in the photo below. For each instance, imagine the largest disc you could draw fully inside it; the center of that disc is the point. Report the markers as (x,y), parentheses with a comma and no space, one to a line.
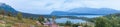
(89,16)
(63,20)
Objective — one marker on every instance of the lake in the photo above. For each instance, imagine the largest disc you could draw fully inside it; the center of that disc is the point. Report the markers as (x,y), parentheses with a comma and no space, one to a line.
(63,20)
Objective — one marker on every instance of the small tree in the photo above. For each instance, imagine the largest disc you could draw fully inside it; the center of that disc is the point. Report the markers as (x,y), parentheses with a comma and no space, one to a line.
(9,14)
(2,12)
(53,18)
(68,23)
(75,25)
(86,25)
(31,18)
(41,19)
(19,16)
(48,19)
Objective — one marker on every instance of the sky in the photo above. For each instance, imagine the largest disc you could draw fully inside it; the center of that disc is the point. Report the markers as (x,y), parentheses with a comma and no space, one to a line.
(47,6)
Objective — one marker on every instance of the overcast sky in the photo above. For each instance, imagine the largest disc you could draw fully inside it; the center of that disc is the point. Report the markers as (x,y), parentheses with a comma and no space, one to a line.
(47,6)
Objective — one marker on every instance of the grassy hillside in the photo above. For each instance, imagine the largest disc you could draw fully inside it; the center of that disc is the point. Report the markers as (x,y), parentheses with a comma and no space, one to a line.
(14,22)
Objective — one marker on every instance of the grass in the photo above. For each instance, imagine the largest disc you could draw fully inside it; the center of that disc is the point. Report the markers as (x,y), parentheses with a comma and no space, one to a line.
(13,21)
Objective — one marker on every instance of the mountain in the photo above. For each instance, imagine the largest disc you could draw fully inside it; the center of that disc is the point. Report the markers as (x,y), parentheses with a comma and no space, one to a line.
(7,8)
(69,13)
(86,11)
(94,10)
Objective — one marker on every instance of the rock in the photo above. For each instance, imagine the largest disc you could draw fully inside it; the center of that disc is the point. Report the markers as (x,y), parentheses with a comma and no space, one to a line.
(2,22)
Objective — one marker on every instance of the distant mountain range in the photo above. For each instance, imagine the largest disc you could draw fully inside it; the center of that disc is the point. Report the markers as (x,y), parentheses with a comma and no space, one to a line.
(75,11)
(86,11)
(71,13)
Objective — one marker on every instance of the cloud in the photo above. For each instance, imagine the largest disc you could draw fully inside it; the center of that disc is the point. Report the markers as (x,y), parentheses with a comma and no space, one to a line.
(103,4)
(47,6)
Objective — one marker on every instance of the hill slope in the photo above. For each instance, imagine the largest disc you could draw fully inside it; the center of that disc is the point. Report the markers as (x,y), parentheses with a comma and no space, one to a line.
(70,13)
(94,10)
(8,21)
(7,8)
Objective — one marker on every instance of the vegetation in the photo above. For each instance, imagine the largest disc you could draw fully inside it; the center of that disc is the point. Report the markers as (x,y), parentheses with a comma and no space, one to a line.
(19,16)
(68,23)
(112,20)
(53,18)
(2,11)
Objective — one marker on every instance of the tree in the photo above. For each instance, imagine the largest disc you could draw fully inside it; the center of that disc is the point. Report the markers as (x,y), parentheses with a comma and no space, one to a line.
(115,22)
(19,16)
(2,11)
(48,19)
(102,22)
(53,18)
(41,19)
(87,25)
(68,23)
(75,25)
(112,20)
(31,18)
(9,14)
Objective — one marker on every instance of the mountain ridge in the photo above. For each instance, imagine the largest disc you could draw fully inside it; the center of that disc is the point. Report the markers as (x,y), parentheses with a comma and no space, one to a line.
(94,10)
(7,8)
(86,11)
